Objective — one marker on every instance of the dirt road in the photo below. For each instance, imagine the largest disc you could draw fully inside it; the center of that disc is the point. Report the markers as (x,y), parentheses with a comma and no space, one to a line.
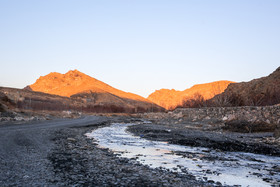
(25,148)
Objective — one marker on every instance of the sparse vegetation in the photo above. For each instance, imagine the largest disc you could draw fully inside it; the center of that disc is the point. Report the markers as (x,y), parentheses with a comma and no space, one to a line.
(36,101)
(195,101)
(270,97)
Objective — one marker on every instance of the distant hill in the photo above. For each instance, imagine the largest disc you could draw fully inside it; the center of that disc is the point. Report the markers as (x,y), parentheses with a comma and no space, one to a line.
(92,92)
(257,92)
(170,99)
(74,82)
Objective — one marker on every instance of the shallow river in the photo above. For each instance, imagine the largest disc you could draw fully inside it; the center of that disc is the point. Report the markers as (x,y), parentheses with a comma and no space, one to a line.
(230,168)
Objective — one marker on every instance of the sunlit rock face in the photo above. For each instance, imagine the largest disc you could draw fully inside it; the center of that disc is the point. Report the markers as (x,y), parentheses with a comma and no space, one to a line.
(78,85)
(74,82)
(170,99)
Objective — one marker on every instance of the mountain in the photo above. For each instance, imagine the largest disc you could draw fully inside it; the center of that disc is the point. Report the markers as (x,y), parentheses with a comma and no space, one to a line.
(257,92)
(90,91)
(170,99)
(74,82)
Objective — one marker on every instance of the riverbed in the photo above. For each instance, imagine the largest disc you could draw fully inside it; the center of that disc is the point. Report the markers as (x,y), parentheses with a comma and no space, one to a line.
(226,168)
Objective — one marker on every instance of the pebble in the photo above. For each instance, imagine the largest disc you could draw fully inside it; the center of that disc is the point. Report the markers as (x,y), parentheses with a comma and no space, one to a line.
(76,166)
(71,139)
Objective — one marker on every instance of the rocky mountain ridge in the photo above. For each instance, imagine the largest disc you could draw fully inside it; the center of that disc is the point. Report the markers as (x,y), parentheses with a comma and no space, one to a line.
(257,92)
(170,99)
(92,93)
(74,82)
(72,92)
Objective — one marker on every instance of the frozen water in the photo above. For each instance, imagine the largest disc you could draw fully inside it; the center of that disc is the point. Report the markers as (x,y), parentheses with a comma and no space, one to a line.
(230,168)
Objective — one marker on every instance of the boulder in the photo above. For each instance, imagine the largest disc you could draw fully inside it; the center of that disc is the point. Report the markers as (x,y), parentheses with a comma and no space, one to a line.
(2,108)
(277,131)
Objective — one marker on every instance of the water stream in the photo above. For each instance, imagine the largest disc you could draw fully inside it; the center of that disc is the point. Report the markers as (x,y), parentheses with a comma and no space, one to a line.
(229,168)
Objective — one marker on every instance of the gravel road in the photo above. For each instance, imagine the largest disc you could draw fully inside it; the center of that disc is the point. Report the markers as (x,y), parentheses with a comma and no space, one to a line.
(56,153)
(25,149)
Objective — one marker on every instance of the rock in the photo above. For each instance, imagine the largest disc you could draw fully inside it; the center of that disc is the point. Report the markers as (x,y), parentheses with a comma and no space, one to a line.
(277,132)
(231,117)
(19,119)
(218,183)
(170,99)
(71,139)
(207,118)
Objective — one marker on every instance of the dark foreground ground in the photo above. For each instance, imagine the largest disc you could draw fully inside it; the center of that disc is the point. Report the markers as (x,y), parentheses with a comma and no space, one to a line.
(56,153)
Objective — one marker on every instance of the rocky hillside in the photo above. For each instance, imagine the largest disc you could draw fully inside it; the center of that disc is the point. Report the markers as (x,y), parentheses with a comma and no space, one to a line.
(74,82)
(258,92)
(24,100)
(91,93)
(170,99)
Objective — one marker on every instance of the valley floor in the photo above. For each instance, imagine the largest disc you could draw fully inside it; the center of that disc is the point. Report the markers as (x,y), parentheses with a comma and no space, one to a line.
(194,134)
(57,153)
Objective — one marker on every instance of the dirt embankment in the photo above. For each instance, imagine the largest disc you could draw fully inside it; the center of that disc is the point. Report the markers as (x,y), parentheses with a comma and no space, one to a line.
(249,119)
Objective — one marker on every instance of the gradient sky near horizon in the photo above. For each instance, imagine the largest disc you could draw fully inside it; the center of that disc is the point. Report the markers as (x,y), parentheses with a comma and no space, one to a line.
(139,45)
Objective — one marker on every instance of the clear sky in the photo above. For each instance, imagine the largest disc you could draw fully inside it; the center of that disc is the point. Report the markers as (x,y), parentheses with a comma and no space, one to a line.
(139,45)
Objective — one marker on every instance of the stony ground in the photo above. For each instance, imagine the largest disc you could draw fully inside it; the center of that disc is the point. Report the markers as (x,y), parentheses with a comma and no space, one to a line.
(57,153)
(196,134)
(76,161)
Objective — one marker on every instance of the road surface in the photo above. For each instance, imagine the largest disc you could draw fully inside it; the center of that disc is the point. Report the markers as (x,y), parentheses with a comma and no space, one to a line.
(24,150)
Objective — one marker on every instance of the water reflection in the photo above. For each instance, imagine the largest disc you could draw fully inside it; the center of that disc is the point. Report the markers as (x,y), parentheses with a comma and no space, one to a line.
(231,168)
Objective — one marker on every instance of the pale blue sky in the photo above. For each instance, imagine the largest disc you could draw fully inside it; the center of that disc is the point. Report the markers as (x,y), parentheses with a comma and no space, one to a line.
(139,45)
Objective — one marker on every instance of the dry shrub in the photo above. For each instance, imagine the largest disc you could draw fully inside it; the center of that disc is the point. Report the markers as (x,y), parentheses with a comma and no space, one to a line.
(248,127)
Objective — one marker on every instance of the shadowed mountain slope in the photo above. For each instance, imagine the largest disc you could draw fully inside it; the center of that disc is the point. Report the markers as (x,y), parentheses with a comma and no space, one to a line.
(257,92)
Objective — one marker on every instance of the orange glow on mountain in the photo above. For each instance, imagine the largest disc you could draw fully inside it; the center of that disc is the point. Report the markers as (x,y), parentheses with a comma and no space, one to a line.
(169,99)
(74,82)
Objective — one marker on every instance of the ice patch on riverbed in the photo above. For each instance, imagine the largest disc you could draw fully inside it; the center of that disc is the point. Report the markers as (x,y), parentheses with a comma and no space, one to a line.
(230,168)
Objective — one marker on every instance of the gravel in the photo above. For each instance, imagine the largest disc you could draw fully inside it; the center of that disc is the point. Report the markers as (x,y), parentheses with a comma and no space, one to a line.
(77,161)
(190,134)
(57,153)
